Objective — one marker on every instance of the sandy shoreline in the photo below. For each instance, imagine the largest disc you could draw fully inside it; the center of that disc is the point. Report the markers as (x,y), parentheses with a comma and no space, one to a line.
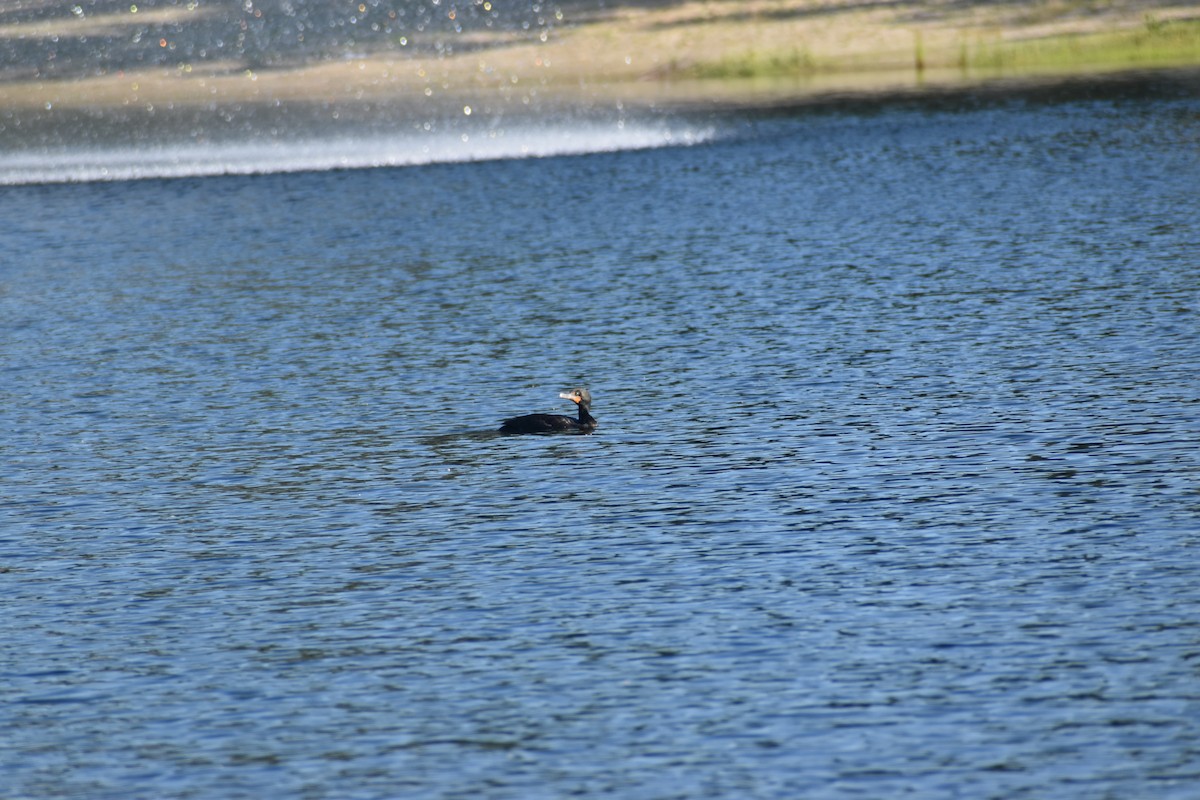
(692,54)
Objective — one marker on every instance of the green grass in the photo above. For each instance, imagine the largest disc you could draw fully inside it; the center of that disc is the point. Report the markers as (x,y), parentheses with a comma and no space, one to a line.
(1154,44)
(755,64)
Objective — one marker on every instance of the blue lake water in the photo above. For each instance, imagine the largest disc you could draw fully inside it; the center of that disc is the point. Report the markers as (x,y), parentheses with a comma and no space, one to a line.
(896,490)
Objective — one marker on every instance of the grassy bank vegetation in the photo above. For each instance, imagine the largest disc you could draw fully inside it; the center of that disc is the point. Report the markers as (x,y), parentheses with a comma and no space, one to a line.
(1154,44)
(692,51)
(755,64)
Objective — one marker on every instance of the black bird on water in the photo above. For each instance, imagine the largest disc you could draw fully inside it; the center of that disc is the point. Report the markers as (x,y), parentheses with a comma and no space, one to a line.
(556,423)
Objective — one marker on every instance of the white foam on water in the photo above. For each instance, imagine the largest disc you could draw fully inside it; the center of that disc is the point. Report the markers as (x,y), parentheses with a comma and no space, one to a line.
(259,156)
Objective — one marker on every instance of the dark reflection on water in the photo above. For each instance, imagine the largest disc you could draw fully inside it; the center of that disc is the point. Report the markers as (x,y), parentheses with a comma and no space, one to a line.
(895,489)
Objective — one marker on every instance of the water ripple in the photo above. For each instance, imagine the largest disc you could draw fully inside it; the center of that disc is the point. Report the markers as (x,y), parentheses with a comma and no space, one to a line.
(894,492)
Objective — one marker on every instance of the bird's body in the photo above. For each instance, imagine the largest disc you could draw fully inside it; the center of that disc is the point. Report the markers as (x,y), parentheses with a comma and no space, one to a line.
(556,423)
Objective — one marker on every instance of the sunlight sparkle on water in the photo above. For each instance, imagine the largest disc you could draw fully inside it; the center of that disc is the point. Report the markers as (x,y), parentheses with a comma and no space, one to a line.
(429,144)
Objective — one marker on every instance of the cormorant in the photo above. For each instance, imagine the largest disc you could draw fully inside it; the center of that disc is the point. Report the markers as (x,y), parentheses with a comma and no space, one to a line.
(556,423)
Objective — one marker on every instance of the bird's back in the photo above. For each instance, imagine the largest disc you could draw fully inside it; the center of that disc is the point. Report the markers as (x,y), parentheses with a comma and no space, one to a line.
(539,423)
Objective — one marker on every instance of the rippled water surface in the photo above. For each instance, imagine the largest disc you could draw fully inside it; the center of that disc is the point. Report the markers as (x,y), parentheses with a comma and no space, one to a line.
(896,490)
